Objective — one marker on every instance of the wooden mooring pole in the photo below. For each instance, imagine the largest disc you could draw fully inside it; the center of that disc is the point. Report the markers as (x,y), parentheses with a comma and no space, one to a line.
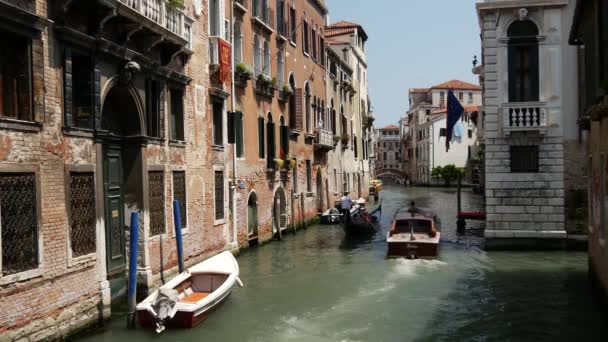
(461,224)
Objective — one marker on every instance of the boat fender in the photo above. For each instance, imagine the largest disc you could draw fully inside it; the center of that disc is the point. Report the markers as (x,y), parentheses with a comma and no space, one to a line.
(238,281)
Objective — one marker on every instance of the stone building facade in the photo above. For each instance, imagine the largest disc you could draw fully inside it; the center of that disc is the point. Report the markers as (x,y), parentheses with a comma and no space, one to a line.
(532,147)
(350,116)
(389,153)
(103,112)
(589,24)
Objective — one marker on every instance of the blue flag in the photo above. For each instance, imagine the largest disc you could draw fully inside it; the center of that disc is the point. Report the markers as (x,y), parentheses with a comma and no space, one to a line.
(455,112)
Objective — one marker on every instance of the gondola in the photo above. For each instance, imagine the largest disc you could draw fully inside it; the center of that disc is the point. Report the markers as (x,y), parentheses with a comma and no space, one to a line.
(360,222)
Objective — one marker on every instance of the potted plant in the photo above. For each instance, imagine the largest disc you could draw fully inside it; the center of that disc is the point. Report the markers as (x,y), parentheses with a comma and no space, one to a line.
(243,72)
(173,4)
(285,92)
(345,140)
(336,139)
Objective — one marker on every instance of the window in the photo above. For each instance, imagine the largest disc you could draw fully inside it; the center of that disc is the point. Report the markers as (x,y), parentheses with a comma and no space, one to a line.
(314,44)
(266,58)
(82,213)
(305,37)
(523,62)
(261,144)
(177,114)
(82,91)
(280,67)
(524,158)
(307,109)
(218,124)
(293,107)
(270,142)
(257,56)
(156,199)
(219,195)
(19,222)
(308,176)
(215,21)
(239,134)
(153,98)
(15,77)
(179,195)
(470,134)
(470,98)
(284,140)
(238,43)
(460,96)
(442,99)
(384,156)
(293,23)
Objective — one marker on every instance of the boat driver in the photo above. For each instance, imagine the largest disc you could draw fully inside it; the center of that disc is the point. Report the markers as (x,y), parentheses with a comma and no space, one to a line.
(346,204)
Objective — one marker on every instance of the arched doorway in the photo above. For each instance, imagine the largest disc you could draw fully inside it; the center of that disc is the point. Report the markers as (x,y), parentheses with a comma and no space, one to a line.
(320,205)
(122,170)
(279,211)
(252,216)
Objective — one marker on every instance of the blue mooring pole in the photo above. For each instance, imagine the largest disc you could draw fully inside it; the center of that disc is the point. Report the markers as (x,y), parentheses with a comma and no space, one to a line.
(178,236)
(132,282)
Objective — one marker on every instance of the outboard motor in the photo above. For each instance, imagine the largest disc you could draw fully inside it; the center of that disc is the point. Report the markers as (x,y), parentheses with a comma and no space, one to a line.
(164,307)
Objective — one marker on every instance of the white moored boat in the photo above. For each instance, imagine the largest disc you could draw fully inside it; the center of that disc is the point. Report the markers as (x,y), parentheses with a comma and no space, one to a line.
(190,297)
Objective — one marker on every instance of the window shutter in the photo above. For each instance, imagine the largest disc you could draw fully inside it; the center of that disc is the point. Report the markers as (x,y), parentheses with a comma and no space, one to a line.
(239,134)
(261,144)
(270,134)
(67,86)
(97,93)
(161,108)
(285,140)
(299,93)
(231,127)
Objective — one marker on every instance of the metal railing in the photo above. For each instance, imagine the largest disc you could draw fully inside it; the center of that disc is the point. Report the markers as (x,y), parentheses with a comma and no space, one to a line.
(243,3)
(524,116)
(165,16)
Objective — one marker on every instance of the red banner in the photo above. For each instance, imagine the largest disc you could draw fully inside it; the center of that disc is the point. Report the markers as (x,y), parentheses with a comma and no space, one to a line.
(225,60)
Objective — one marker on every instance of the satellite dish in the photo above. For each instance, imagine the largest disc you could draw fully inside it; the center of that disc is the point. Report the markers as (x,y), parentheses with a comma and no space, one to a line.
(198,7)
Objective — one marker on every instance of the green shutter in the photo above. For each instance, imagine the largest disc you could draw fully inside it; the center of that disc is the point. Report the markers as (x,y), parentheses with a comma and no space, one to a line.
(231,127)
(261,145)
(238,120)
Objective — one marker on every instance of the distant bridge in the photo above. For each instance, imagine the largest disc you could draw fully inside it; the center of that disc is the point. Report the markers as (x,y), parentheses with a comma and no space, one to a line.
(394,174)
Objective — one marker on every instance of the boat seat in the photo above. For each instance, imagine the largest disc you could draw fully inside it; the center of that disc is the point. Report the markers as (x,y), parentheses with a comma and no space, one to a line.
(194,297)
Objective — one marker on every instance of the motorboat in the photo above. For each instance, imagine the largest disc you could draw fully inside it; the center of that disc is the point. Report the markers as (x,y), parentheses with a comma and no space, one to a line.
(189,298)
(414,233)
(331,216)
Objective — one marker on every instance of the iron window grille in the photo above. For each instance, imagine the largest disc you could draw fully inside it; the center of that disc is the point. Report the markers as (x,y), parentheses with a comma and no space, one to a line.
(19,222)
(156,197)
(82,213)
(179,194)
(219,195)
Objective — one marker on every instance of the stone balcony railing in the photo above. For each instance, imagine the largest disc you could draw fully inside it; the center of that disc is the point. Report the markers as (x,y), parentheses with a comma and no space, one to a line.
(158,12)
(524,116)
(324,139)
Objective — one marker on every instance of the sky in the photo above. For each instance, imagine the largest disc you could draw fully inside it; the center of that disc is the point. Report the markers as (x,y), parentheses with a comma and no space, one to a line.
(412,44)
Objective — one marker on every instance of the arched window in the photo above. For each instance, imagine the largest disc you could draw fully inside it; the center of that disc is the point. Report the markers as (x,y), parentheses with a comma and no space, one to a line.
(315,113)
(292,103)
(257,57)
(523,62)
(284,137)
(308,108)
(332,113)
(266,58)
(344,122)
(238,43)
(324,115)
(280,66)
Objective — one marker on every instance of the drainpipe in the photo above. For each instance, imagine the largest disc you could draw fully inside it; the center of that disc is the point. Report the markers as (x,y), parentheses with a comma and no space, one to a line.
(233,188)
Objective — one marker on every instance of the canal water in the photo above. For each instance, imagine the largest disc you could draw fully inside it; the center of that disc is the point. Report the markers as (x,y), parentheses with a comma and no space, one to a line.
(318,286)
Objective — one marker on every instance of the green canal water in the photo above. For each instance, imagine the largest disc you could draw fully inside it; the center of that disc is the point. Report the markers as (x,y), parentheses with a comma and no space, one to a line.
(318,286)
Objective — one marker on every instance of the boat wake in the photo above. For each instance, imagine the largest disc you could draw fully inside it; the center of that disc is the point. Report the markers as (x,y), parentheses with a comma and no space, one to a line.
(411,268)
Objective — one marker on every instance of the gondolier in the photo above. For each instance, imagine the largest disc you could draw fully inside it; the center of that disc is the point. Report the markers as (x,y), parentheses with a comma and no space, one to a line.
(346,204)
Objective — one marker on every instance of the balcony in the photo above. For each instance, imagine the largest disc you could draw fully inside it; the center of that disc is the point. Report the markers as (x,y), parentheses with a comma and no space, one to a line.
(262,14)
(525,116)
(324,139)
(241,5)
(167,21)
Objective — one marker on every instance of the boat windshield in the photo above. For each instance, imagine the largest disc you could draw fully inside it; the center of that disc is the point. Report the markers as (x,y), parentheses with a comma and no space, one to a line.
(419,226)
